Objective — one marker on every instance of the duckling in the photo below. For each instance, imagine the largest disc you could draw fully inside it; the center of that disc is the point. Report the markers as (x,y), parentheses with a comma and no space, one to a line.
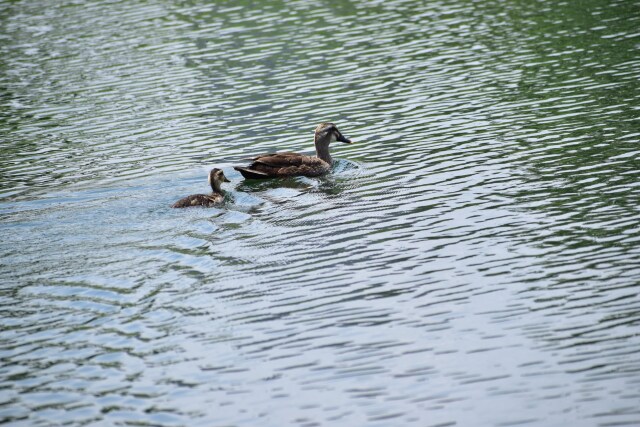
(294,164)
(216,178)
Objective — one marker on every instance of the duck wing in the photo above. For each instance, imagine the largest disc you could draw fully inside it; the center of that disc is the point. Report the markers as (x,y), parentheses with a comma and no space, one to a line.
(284,164)
(284,159)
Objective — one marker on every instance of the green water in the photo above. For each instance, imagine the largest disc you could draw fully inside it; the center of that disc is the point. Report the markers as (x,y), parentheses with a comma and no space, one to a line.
(473,259)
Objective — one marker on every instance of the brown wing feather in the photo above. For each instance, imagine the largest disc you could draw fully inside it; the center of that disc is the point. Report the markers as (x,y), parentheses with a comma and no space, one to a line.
(283,165)
(289,164)
(280,154)
(285,159)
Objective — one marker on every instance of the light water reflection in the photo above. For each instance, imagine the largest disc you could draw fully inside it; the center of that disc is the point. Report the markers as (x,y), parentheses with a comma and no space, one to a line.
(472,260)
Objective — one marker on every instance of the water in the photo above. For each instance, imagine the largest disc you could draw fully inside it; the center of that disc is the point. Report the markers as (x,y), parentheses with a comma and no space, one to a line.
(474,259)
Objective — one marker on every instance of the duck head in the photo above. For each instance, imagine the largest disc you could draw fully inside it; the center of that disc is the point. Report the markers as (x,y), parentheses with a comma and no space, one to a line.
(328,132)
(216,178)
(325,134)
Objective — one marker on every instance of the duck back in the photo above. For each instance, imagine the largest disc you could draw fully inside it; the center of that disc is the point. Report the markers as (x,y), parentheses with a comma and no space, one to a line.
(198,200)
(284,165)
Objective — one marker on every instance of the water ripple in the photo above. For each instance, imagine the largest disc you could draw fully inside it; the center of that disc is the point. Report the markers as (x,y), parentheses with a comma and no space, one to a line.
(477,246)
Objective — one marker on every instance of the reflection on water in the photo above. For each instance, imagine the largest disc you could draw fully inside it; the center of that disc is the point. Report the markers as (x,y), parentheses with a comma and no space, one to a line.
(477,249)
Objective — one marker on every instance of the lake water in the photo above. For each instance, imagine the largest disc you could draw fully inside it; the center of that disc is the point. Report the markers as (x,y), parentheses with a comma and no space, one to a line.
(473,259)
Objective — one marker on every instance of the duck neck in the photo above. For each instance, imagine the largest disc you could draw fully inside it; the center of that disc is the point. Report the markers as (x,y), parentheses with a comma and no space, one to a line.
(216,187)
(322,149)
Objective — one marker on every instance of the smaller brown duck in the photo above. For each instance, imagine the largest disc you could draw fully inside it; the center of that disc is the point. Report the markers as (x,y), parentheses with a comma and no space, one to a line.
(294,164)
(216,178)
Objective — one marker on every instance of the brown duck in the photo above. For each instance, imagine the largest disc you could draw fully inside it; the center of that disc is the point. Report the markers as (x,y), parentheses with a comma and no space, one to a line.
(216,178)
(294,164)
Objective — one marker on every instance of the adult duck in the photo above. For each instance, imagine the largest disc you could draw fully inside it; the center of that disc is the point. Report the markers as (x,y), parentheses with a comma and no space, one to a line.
(294,164)
(216,178)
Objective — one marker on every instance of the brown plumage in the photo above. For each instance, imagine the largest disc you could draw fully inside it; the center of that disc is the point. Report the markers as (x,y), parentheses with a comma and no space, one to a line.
(295,164)
(216,178)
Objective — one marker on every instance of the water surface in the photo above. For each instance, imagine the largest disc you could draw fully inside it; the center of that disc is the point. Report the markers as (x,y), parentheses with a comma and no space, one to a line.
(474,259)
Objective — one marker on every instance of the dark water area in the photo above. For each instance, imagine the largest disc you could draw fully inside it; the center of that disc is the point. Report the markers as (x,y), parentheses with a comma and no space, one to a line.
(473,259)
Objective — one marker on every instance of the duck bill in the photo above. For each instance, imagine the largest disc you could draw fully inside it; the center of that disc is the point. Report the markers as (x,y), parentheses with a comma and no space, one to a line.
(341,138)
(225,179)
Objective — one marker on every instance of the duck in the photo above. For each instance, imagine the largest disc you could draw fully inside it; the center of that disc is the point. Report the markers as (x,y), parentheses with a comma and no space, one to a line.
(216,178)
(288,164)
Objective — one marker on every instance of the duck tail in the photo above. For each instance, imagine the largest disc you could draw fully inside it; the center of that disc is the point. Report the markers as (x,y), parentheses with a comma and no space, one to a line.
(251,173)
